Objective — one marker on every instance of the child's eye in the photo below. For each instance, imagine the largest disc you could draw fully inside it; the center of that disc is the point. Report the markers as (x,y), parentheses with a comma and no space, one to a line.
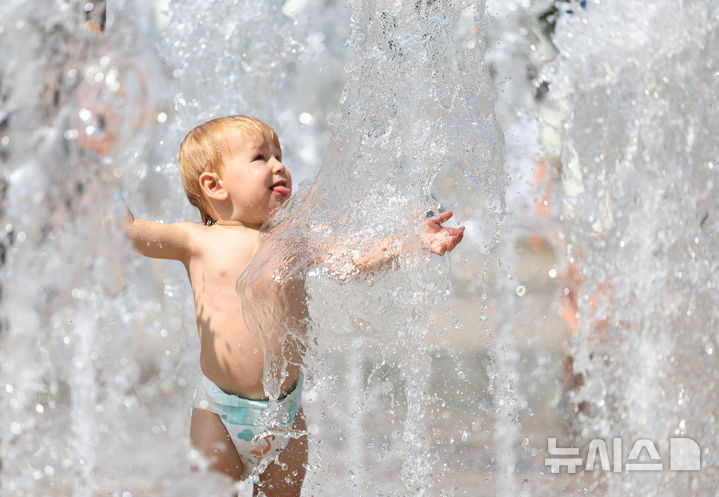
(259,157)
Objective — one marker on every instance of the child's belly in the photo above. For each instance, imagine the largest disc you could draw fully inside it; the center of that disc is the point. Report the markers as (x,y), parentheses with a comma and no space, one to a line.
(233,355)
(235,362)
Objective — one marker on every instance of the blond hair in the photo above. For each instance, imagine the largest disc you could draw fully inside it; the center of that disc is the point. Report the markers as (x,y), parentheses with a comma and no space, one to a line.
(203,149)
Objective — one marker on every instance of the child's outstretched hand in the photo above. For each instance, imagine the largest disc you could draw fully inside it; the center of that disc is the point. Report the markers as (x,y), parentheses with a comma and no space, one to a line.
(438,239)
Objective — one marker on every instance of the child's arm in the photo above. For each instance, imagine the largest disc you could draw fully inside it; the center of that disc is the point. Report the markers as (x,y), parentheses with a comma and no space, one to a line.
(379,254)
(164,241)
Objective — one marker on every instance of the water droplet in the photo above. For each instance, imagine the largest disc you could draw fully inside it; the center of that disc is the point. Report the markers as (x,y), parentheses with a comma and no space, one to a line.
(70,134)
(84,114)
(694,484)
(521,290)
(78,293)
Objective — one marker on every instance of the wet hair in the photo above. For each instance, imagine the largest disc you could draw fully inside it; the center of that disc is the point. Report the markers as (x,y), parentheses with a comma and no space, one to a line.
(203,149)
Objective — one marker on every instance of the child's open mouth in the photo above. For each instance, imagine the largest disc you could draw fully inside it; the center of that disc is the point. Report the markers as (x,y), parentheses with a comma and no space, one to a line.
(280,189)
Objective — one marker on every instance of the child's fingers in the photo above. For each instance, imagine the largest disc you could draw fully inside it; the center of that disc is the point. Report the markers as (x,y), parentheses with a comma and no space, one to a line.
(443,216)
(436,221)
(452,243)
(459,239)
(443,248)
(456,239)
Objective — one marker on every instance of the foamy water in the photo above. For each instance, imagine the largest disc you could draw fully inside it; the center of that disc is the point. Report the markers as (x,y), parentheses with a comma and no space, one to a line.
(442,376)
(639,220)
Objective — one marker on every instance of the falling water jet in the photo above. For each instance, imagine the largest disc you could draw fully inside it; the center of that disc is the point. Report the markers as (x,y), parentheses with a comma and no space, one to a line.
(431,109)
(392,145)
(639,81)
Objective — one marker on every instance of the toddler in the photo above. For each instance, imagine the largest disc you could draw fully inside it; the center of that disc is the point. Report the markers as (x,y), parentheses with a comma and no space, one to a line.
(232,171)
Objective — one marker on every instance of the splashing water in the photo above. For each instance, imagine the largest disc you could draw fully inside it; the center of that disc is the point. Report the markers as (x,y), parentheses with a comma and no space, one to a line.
(423,378)
(639,216)
(388,146)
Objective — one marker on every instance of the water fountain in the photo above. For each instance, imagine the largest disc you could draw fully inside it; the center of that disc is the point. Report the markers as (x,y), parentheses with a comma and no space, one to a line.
(437,378)
(640,196)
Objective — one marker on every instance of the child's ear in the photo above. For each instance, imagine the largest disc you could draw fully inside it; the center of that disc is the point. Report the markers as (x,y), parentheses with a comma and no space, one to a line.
(212,186)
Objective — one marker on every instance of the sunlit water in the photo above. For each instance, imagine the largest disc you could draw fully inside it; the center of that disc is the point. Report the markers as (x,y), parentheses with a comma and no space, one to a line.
(639,216)
(433,377)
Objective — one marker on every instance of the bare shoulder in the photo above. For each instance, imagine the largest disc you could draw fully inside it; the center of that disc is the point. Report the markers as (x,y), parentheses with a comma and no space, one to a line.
(218,251)
(192,229)
(195,235)
(210,239)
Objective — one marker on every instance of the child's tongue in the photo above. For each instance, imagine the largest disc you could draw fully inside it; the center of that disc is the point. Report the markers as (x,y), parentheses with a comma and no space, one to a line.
(280,189)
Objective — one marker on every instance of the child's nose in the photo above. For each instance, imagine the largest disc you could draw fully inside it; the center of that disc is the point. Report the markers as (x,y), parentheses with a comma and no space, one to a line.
(277,166)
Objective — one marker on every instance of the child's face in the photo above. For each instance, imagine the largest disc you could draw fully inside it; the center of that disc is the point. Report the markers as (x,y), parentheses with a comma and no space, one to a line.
(254,176)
